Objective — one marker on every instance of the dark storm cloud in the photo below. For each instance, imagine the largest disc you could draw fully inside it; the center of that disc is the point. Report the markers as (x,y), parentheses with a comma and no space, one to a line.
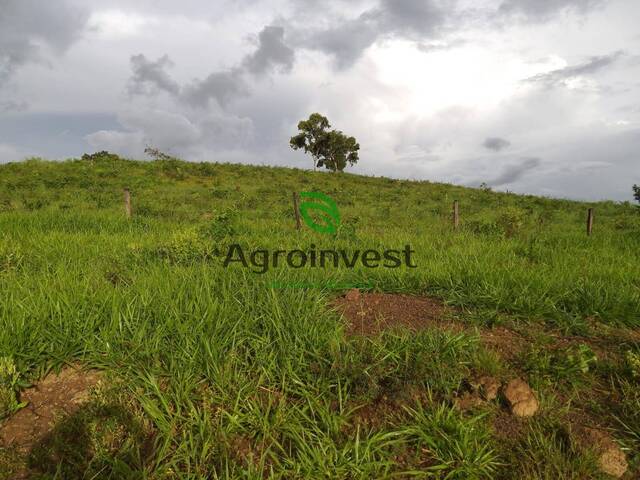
(541,10)
(346,42)
(496,144)
(591,66)
(514,172)
(221,86)
(415,19)
(422,17)
(26,25)
(272,53)
(149,77)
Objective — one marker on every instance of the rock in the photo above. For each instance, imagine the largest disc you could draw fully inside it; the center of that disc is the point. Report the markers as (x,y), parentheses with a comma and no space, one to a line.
(521,399)
(611,459)
(613,462)
(489,387)
(353,295)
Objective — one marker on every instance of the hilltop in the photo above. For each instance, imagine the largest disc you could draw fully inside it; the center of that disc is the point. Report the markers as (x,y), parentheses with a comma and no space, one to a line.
(205,369)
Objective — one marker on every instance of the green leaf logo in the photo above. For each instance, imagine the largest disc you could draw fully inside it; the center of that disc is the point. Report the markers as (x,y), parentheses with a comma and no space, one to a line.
(326,209)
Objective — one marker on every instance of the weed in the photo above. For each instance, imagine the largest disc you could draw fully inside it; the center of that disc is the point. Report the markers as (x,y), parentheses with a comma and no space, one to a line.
(458,447)
(9,384)
(569,365)
(633,363)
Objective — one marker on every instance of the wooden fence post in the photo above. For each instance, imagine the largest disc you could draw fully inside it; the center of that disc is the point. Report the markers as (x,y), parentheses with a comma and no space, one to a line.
(296,209)
(127,202)
(590,222)
(456,215)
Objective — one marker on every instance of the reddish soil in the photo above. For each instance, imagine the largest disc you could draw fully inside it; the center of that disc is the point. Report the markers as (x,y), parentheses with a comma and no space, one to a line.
(506,343)
(369,314)
(54,396)
(508,427)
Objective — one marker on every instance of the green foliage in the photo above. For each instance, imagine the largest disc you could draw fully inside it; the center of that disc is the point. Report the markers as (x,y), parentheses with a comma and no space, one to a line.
(186,247)
(102,156)
(549,451)
(329,148)
(460,447)
(223,226)
(158,155)
(633,363)
(511,220)
(348,229)
(238,379)
(9,383)
(483,227)
(570,364)
(11,257)
(432,359)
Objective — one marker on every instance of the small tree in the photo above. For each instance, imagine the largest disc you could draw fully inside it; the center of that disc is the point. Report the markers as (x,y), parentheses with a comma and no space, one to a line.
(331,149)
(636,192)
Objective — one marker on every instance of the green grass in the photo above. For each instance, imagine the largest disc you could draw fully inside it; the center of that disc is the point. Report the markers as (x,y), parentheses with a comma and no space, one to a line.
(219,375)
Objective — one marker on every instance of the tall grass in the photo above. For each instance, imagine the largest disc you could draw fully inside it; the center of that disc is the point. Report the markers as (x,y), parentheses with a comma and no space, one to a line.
(240,379)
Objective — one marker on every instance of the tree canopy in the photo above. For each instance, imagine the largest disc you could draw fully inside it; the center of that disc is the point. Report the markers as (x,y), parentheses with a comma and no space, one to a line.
(331,149)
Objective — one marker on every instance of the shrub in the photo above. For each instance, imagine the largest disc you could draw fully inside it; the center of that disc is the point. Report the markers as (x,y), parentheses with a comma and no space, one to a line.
(100,157)
(482,227)
(187,246)
(224,225)
(511,220)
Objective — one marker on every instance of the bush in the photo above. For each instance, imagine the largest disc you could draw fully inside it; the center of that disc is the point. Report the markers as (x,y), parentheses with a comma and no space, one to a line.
(511,220)
(185,247)
(224,225)
(480,227)
(100,157)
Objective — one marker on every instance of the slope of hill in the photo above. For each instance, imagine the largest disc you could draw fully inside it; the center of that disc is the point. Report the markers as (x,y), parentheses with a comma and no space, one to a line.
(218,368)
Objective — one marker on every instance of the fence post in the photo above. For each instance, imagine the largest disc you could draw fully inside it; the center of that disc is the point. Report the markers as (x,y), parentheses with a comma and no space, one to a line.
(590,222)
(127,202)
(456,215)
(296,209)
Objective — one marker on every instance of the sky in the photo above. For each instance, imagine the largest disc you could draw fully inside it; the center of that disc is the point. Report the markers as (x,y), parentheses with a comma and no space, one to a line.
(530,96)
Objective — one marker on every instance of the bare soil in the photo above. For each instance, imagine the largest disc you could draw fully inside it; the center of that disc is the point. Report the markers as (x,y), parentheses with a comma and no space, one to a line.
(54,396)
(370,314)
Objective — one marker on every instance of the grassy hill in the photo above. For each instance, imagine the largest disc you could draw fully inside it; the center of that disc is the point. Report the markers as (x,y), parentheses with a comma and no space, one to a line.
(224,372)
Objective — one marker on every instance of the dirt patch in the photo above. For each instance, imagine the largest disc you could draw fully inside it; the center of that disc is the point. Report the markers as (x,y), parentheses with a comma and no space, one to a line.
(54,396)
(370,314)
(507,427)
(611,459)
(508,344)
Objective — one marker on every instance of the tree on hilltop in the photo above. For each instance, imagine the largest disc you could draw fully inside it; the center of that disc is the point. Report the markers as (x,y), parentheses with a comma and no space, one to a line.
(331,149)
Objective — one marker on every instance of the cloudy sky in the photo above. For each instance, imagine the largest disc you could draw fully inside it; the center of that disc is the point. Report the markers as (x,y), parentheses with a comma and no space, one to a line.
(532,96)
